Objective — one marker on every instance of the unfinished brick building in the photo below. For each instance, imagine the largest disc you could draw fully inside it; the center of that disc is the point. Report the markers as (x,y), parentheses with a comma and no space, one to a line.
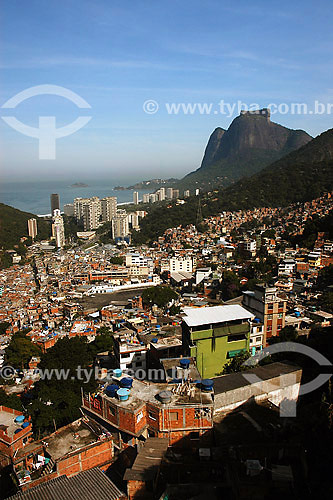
(180,412)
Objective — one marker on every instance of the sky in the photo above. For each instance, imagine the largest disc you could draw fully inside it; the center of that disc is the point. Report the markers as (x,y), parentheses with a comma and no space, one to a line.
(117,55)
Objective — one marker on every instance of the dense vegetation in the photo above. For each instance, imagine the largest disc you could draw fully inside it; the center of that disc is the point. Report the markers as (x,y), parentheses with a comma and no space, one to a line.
(20,350)
(13,227)
(55,399)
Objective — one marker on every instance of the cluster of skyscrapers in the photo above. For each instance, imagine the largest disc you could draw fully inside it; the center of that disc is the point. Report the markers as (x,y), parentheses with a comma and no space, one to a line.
(161,195)
(93,212)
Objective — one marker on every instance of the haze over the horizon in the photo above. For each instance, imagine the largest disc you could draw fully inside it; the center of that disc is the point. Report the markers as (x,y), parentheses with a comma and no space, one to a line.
(118,54)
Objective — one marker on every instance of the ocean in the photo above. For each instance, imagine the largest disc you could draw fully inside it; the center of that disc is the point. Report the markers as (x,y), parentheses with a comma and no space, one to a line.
(34,197)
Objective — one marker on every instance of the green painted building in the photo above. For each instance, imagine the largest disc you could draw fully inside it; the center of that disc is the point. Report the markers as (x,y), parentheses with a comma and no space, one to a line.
(214,335)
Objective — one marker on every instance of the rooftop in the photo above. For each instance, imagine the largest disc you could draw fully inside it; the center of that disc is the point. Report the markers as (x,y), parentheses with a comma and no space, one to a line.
(92,484)
(7,421)
(216,314)
(147,462)
(144,392)
(173,369)
(236,380)
(69,439)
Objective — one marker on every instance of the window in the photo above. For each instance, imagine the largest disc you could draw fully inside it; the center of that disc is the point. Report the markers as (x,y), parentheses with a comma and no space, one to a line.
(112,411)
(269,316)
(139,417)
(125,356)
(258,339)
(235,338)
(173,416)
(194,436)
(280,315)
(152,415)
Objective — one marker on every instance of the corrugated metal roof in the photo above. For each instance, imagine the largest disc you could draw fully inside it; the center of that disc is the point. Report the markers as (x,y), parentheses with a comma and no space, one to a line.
(148,460)
(88,485)
(195,316)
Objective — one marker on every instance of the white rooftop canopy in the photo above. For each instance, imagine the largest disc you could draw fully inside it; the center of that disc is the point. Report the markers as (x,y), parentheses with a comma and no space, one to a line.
(195,316)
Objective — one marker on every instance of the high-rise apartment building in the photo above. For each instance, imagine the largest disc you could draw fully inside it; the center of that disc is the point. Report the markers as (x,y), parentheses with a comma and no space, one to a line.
(133,220)
(161,194)
(120,226)
(92,214)
(58,230)
(186,193)
(268,307)
(55,202)
(79,204)
(135,197)
(108,208)
(69,209)
(175,193)
(32,228)
(88,211)
(169,193)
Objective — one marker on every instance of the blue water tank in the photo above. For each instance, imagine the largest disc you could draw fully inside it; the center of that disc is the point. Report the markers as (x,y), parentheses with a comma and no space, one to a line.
(117,372)
(25,425)
(297,314)
(17,431)
(111,390)
(154,340)
(20,419)
(184,363)
(207,385)
(256,320)
(126,382)
(123,394)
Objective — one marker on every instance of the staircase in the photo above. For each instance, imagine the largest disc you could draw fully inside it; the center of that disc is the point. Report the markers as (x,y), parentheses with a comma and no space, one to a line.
(48,468)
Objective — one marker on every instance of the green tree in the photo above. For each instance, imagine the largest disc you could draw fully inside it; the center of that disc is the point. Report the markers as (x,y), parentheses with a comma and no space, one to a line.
(159,295)
(20,350)
(288,334)
(11,400)
(56,399)
(3,327)
(116,260)
(236,364)
(230,286)
(102,343)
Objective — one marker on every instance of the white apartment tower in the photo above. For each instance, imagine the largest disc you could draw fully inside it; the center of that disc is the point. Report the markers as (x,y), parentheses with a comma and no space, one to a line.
(32,228)
(58,230)
(135,197)
(120,225)
(108,208)
(92,214)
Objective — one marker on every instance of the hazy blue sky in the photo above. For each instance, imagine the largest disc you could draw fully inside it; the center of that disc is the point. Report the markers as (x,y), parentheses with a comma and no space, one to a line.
(118,54)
